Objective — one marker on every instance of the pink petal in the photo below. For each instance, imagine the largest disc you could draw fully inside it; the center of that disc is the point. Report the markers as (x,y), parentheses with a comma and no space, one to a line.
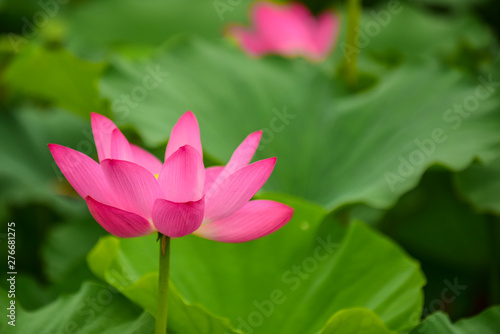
(236,190)
(282,30)
(211,174)
(135,187)
(249,41)
(145,159)
(244,153)
(82,172)
(185,132)
(182,176)
(102,128)
(326,33)
(240,158)
(254,220)
(121,223)
(300,12)
(112,144)
(177,219)
(289,30)
(120,147)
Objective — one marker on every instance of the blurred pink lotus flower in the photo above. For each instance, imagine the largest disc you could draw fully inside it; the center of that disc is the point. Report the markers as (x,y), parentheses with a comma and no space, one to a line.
(131,193)
(288,30)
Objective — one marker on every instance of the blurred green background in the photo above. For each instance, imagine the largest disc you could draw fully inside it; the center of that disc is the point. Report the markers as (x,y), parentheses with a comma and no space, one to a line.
(339,154)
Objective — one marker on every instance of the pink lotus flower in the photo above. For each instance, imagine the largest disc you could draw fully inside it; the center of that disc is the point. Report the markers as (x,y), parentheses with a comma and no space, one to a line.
(288,30)
(131,193)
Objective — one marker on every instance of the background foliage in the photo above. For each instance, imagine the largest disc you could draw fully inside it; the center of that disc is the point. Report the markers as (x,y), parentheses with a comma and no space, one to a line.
(395,185)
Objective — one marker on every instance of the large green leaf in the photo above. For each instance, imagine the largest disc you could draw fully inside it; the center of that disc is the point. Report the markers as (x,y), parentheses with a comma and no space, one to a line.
(149,22)
(355,321)
(289,282)
(95,309)
(56,76)
(27,172)
(333,148)
(487,322)
(64,253)
(135,274)
(383,29)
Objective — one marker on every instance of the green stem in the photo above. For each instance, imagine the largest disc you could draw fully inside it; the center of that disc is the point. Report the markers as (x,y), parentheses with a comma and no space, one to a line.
(354,9)
(162,312)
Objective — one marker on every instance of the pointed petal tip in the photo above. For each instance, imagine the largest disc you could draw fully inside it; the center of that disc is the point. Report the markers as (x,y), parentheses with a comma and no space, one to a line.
(257,134)
(60,151)
(267,161)
(271,160)
(289,214)
(189,114)
(186,131)
(56,150)
(101,122)
(255,220)
(254,139)
(120,147)
(52,145)
(229,195)
(95,116)
(108,161)
(243,154)
(112,162)
(189,117)
(186,149)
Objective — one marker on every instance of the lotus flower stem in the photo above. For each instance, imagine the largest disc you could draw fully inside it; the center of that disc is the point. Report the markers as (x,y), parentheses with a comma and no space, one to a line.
(162,312)
(354,9)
